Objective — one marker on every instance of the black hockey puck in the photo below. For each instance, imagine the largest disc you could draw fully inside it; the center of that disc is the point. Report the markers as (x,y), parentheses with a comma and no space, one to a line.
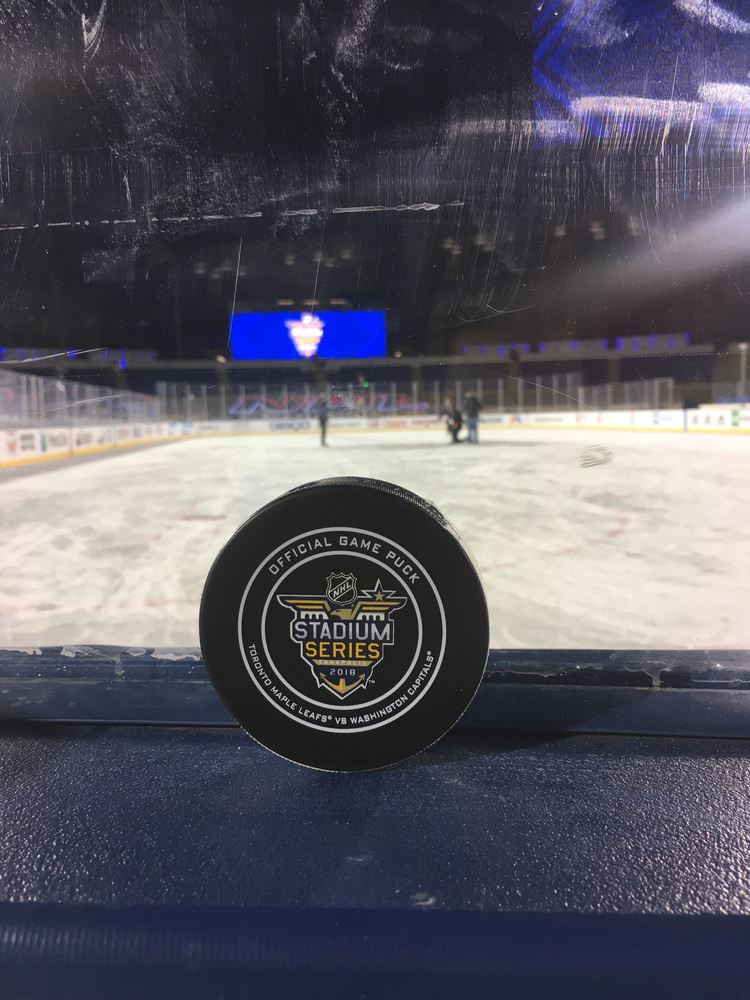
(344,626)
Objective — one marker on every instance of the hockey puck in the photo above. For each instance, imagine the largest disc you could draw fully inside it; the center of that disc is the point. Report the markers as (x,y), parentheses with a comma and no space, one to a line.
(344,626)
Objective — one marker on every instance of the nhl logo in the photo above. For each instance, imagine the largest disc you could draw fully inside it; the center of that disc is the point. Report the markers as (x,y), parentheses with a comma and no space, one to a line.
(341,588)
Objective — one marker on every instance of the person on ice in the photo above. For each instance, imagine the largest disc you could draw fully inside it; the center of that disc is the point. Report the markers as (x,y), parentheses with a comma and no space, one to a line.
(323,418)
(472,406)
(454,420)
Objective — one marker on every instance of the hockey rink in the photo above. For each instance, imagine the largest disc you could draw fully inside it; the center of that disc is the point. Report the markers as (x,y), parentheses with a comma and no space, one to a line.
(648,550)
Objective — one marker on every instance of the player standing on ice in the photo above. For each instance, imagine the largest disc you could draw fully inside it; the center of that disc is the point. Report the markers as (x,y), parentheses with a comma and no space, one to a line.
(472,407)
(323,418)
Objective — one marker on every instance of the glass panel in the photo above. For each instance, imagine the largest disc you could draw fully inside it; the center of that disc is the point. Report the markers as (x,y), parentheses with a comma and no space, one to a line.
(546,213)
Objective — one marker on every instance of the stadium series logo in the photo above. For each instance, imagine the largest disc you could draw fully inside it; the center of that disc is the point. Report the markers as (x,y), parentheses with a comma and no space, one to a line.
(342,635)
(305,333)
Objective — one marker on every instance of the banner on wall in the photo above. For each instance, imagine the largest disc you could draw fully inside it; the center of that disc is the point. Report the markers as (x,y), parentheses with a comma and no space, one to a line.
(28,445)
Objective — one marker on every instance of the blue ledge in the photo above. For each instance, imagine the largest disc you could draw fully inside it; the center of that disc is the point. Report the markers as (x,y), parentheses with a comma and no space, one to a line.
(662,692)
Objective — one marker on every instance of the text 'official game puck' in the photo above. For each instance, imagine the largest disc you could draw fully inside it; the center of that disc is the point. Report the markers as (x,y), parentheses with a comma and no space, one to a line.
(344,626)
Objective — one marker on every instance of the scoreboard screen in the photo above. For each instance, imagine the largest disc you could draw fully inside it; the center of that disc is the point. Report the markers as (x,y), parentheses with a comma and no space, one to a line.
(287,336)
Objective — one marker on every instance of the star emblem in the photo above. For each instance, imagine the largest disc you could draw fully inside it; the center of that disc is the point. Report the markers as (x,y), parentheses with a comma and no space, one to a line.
(378,593)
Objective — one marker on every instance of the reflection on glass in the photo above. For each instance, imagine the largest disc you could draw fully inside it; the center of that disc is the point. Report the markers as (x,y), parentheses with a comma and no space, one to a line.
(548,207)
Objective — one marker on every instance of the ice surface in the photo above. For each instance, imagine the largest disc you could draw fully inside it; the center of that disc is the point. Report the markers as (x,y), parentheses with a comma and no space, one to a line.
(650,550)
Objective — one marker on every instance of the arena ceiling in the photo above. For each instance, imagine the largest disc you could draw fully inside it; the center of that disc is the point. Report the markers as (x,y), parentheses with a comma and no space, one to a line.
(161,162)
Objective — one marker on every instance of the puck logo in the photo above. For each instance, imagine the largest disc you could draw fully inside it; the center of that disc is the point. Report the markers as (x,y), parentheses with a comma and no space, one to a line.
(342,629)
(342,588)
(342,644)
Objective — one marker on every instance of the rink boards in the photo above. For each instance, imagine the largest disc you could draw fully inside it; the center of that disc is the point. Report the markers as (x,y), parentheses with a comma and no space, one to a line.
(35,444)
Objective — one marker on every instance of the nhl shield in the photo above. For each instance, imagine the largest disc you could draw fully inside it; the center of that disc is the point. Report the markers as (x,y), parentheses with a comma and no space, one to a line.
(341,588)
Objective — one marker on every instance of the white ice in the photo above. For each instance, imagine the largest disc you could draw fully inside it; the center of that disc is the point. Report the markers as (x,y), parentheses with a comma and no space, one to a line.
(649,551)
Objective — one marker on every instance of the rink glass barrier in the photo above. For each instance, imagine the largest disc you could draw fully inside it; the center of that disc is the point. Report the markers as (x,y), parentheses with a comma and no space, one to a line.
(34,444)
(28,400)
(34,399)
(381,399)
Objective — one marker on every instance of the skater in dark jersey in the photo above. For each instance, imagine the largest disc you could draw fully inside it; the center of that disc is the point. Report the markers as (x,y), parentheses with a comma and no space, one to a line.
(323,418)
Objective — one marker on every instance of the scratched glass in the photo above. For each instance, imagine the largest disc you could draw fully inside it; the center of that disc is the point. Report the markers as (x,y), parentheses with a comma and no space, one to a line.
(545,208)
